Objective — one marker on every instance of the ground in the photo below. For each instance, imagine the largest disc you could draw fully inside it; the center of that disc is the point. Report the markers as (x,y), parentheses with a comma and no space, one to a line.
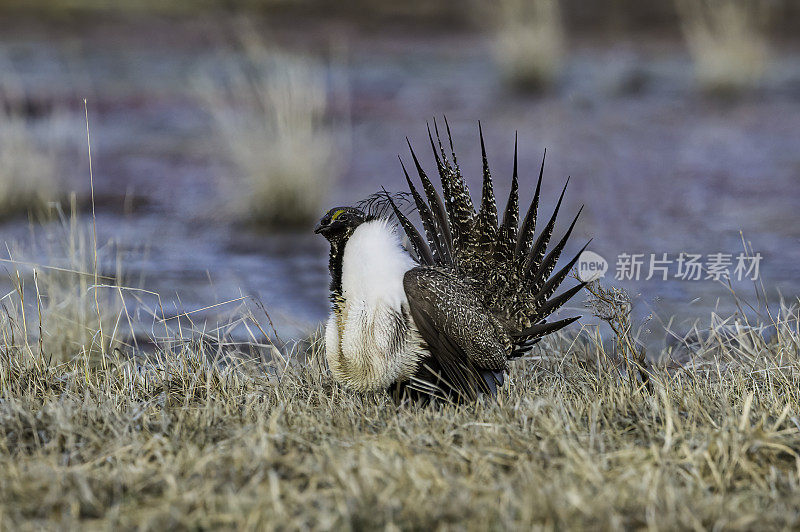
(181,442)
(139,387)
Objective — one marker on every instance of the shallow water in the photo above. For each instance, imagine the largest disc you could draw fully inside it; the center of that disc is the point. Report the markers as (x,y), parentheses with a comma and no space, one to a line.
(659,168)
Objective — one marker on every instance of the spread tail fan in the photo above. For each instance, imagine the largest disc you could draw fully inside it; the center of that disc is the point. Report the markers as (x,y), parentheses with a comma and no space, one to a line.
(506,262)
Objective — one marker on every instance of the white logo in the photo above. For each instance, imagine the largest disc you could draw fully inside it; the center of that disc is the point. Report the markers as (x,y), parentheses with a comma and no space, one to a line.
(591,266)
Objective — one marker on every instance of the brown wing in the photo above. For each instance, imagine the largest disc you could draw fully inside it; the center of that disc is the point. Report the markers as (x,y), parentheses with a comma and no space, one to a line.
(464,340)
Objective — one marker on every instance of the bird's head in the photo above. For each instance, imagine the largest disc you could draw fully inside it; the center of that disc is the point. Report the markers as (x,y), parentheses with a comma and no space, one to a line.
(339,223)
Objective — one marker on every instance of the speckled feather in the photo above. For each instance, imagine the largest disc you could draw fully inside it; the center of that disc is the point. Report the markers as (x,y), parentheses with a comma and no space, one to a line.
(506,268)
(440,297)
(479,295)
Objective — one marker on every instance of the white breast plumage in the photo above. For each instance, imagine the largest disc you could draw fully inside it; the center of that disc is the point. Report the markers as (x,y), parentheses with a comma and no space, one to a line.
(370,340)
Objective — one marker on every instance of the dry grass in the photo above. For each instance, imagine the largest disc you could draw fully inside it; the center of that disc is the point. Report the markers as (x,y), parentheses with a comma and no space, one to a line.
(270,115)
(28,166)
(61,308)
(613,306)
(728,42)
(529,42)
(199,433)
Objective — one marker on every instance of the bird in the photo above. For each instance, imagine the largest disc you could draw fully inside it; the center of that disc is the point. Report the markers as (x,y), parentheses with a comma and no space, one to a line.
(437,314)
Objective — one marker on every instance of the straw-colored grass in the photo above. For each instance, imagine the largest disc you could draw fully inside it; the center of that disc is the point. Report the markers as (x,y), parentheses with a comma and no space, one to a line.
(28,166)
(62,308)
(270,115)
(529,42)
(197,433)
(728,42)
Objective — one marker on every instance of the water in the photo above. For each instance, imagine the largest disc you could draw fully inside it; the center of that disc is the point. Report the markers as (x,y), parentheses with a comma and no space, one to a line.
(659,168)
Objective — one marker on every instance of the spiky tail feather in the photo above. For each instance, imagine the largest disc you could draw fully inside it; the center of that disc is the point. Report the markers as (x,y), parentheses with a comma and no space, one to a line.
(510,269)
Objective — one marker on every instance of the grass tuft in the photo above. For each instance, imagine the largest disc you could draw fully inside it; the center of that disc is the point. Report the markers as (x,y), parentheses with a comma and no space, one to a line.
(270,114)
(728,42)
(28,167)
(52,309)
(529,43)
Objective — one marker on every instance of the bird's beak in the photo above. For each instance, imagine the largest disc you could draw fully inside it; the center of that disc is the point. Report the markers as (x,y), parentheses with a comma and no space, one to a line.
(318,228)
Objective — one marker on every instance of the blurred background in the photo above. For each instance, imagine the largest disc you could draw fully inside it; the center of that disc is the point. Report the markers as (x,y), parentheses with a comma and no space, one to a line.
(221,130)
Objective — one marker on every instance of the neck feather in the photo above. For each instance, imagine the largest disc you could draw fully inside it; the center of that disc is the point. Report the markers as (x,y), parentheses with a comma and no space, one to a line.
(374,263)
(335,260)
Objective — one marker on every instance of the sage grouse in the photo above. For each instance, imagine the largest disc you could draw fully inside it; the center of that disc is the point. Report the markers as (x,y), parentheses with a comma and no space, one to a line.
(442,319)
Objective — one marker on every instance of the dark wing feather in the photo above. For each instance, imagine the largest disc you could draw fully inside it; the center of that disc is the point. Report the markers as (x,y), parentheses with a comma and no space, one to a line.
(541,329)
(549,261)
(557,302)
(437,209)
(461,336)
(533,260)
(457,201)
(507,234)
(456,374)
(525,240)
(438,249)
(420,247)
(508,269)
(487,215)
(552,284)
(450,139)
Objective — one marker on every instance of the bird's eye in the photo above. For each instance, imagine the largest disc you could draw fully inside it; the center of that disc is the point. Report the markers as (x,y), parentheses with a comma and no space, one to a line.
(341,213)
